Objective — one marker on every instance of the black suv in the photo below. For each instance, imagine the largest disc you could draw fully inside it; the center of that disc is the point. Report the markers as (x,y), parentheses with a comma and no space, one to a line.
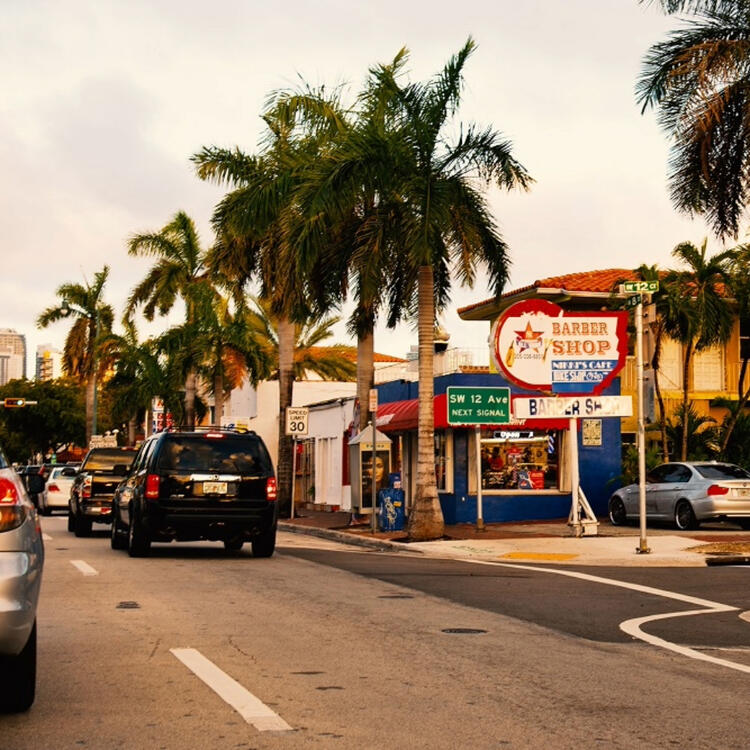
(184,486)
(91,494)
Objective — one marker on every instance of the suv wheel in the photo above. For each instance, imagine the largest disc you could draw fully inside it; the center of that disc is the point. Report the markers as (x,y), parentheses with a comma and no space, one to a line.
(139,542)
(265,543)
(19,677)
(81,525)
(118,536)
(234,544)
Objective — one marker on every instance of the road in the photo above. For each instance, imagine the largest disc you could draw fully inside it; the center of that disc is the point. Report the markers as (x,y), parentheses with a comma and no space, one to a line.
(329,646)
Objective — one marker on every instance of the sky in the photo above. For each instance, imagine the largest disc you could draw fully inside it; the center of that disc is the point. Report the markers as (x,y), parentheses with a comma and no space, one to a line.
(103,102)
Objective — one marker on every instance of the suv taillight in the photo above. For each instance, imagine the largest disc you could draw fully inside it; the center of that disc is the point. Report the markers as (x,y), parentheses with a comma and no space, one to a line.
(12,511)
(86,486)
(717,489)
(152,487)
(271,489)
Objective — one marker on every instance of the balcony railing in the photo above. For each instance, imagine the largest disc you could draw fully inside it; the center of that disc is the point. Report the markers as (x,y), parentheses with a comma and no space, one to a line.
(451,360)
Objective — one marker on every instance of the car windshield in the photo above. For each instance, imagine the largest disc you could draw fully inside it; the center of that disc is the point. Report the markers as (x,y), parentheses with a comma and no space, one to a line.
(229,453)
(106,460)
(722,471)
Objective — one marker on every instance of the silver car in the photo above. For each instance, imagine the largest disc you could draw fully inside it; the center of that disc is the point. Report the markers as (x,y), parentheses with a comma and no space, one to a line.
(686,493)
(21,561)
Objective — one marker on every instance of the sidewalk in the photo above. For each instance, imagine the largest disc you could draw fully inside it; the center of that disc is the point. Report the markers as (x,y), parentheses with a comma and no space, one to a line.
(544,542)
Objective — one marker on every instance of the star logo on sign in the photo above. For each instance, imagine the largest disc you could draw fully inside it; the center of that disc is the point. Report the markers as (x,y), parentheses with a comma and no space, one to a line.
(528,338)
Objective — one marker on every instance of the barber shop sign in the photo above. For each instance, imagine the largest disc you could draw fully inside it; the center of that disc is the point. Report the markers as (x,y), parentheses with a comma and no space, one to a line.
(541,347)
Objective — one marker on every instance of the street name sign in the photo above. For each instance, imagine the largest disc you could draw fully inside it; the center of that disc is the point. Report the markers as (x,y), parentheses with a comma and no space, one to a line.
(296,420)
(645,287)
(478,405)
(633,301)
(549,407)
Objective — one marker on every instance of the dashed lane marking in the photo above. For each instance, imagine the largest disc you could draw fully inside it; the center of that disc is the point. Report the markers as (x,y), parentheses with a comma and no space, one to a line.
(46,537)
(84,567)
(633,627)
(250,708)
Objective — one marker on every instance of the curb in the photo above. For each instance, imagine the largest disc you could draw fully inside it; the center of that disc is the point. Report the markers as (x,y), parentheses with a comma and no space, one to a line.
(341,536)
(728,560)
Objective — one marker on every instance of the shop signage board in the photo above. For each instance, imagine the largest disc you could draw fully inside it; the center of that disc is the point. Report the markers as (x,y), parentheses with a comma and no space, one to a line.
(539,346)
(572,407)
(477,405)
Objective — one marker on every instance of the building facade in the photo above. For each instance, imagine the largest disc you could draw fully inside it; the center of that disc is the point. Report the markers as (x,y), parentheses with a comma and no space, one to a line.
(12,355)
(48,362)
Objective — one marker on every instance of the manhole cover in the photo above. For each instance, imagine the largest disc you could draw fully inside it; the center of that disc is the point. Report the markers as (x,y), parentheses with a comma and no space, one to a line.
(128,605)
(463,631)
(396,596)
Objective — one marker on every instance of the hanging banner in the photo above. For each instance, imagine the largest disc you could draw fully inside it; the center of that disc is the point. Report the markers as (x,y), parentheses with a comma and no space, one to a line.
(541,347)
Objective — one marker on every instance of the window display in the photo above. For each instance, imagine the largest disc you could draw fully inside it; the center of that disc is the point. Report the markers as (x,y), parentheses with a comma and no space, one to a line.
(520,459)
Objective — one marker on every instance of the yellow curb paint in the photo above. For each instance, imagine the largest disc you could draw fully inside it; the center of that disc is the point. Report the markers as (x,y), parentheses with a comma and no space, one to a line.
(536,556)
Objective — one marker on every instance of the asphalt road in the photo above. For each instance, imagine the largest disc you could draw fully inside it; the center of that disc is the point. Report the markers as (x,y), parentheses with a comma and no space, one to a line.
(327,647)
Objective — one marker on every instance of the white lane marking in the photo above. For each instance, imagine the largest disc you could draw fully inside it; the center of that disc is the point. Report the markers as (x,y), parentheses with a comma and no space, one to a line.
(252,709)
(84,567)
(46,537)
(633,627)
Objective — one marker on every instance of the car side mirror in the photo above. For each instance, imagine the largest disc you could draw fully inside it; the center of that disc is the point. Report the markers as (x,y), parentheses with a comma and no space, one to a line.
(35,483)
(120,470)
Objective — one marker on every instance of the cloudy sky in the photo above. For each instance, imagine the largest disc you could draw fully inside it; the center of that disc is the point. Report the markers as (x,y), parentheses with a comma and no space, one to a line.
(103,102)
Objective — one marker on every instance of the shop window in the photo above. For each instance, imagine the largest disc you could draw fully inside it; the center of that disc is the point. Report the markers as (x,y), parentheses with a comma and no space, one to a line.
(443,474)
(518,460)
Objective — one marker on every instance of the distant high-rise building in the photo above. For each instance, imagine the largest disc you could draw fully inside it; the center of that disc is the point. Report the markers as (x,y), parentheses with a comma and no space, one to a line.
(48,362)
(12,355)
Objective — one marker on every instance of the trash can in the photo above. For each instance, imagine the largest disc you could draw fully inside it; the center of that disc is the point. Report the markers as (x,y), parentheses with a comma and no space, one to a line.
(391,511)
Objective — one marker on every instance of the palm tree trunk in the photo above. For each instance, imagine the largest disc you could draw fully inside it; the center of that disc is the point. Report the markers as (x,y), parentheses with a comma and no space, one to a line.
(365,374)
(90,391)
(285,331)
(190,388)
(426,516)
(685,390)
(218,398)
(655,364)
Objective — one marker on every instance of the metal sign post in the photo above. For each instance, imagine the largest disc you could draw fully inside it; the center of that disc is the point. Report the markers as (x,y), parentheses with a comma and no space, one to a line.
(296,425)
(643,546)
(374,411)
(480,510)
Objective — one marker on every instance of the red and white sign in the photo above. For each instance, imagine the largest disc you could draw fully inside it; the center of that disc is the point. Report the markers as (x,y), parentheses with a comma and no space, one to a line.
(539,346)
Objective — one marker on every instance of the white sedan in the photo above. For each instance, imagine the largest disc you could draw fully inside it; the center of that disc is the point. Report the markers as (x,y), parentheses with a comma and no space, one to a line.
(57,490)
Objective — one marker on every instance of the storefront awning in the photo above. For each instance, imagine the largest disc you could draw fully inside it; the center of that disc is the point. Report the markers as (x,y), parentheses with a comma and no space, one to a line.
(399,416)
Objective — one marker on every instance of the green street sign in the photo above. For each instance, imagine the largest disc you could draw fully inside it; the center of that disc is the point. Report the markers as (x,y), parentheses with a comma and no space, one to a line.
(641,286)
(466,405)
(633,301)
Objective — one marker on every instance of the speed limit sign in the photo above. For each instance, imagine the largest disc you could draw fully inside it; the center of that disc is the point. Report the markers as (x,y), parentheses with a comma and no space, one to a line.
(296,420)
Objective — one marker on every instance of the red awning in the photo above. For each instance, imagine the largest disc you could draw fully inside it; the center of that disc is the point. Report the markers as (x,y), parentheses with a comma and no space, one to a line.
(399,416)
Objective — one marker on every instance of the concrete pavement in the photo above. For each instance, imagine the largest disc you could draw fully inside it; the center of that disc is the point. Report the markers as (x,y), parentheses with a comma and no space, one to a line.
(545,542)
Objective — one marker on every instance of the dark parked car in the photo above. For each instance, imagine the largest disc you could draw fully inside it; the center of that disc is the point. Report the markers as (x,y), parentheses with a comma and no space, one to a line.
(94,486)
(21,563)
(185,486)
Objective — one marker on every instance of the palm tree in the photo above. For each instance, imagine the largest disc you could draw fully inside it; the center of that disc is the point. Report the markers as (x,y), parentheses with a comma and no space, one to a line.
(254,225)
(231,349)
(92,317)
(701,316)
(328,363)
(699,80)
(138,374)
(179,271)
(444,226)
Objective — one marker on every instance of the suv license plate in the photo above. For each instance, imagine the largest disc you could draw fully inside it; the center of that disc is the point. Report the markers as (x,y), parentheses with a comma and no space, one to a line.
(214,488)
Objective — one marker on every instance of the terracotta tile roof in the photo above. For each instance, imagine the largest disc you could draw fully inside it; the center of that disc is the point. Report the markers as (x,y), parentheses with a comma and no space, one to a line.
(350,353)
(595,282)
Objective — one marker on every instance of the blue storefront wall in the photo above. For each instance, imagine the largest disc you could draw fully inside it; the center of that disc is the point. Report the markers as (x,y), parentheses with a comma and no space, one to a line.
(599,465)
